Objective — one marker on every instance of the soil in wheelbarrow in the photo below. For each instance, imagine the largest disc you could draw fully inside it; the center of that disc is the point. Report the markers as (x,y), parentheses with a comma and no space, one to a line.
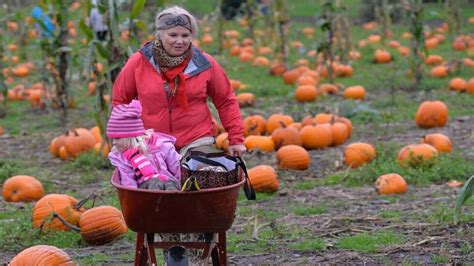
(299,224)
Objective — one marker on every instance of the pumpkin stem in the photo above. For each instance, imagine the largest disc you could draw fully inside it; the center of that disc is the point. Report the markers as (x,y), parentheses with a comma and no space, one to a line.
(283,125)
(73,227)
(82,202)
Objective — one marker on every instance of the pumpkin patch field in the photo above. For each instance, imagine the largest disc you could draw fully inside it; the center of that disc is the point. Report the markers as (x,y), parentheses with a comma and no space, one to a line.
(358,119)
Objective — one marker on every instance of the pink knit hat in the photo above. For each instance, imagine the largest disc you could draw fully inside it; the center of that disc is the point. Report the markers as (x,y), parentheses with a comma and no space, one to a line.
(125,121)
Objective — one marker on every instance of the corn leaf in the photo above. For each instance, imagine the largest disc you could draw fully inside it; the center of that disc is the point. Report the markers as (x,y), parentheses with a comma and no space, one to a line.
(463,195)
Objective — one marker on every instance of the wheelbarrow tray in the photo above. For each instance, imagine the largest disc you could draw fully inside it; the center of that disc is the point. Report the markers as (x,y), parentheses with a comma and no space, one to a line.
(207,210)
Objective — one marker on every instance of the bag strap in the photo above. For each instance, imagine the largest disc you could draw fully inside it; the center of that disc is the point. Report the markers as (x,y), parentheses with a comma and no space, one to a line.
(206,161)
(248,188)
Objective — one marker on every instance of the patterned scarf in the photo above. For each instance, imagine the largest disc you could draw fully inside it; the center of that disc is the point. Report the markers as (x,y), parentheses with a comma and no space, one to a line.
(172,68)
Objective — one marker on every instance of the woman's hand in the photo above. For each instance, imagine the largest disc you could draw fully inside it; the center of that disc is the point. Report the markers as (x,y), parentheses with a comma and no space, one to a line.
(238,149)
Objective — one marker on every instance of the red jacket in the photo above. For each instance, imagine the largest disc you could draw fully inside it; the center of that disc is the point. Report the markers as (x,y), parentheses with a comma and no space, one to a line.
(205,78)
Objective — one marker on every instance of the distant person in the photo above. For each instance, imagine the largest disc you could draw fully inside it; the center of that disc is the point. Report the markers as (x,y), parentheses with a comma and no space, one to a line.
(43,25)
(96,20)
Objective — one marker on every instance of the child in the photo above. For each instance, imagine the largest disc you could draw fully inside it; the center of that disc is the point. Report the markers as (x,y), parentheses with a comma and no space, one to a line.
(145,159)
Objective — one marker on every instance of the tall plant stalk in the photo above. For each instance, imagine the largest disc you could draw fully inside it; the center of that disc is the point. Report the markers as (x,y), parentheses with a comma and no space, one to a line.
(453,17)
(417,43)
(342,32)
(281,19)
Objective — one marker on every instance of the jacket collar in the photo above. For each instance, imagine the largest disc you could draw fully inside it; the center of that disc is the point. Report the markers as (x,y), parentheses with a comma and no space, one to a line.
(196,65)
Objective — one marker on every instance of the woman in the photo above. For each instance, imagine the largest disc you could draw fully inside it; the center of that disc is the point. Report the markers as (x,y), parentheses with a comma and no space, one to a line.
(173,80)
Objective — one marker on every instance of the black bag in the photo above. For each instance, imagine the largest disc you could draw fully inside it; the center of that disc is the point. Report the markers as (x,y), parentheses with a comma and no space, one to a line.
(213,170)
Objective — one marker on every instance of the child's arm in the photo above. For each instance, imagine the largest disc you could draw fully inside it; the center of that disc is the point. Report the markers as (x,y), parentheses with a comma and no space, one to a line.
(172,159)
(140,163)
(127,175)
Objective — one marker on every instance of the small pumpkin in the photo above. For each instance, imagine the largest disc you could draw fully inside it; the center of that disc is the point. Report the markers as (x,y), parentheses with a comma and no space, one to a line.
(102,148)
(291,76)
(246,99)
(327,88)
(22,188)
(293,157)
(439,71)
(63,205)
(354,92)
(382,56)
(275,121)
(254,125)
(415,154)
(264,178)
(458,84)
(262,143)
(78,140)
(101,225)
(440,142)
(340,133)
(306,93)
(470,86)
(431,114)
(391,184)
(433,60)
(42,255)
(95,131)
(359,153)
(222,141)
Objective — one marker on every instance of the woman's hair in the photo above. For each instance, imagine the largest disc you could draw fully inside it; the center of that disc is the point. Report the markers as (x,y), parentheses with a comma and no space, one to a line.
(138,142)
(176,11)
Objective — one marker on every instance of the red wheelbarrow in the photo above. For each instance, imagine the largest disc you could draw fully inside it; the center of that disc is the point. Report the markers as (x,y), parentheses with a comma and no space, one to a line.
(150,212)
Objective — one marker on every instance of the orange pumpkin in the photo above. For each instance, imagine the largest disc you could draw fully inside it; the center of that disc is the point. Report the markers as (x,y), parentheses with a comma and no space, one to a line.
(291,76)
(63,153)
(439,71)
(262,143)
(102,148)
(470,86)
(391,184)
(22,188)
(340,133)
(63,205)
(434,60)
(415,154)
(354,92)
(246,57)
(359,153)
(275,121)
(317,136)
(322,118)
(56,144)
(246,99)
(95,131)
(293,157)
(458,84)
(101,225)
(78,140)
(222,141)
(382,56)
(346,122)
(431,114)
(327,88)
(42,255)
(440,142)
(264,178)
(254,125)
(286,136)
(261,61)
(306,93)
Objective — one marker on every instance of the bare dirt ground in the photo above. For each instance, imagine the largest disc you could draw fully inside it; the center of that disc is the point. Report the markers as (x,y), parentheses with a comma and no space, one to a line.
(349,210)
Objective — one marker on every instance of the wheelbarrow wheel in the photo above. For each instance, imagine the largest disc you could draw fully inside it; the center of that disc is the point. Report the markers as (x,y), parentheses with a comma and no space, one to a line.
(176,256)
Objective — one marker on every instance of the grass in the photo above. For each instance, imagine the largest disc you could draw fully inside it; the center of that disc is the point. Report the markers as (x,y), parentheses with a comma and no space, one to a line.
(447,167)
(308,245)
(370,243)
(308,211)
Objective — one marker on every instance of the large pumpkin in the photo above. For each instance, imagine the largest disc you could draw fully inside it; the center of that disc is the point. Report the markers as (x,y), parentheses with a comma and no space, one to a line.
(306,93)
(431,114)
(316,137)
(391,184)
(359,153)
(63,205)
(286,136)
(416,154)
(101,225)
(41,255)
(293,157)
(264,178)
(440,142)
(22,188)
(78,140)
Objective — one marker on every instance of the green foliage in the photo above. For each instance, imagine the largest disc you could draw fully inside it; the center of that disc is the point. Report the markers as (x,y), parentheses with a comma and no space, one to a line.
(9,168)
(372,242)
(87,161)
(463,195)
